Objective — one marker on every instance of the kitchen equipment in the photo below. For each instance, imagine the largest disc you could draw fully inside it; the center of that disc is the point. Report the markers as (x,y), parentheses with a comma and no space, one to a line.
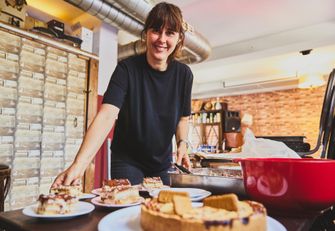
(56,26)
(327,124)
(215,180)
(232,121)
(292,187)
(182,168)
(76,42)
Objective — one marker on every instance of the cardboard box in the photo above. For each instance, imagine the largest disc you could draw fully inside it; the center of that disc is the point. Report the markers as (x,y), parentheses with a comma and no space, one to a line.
(86,35)
(31,22)
(12,13)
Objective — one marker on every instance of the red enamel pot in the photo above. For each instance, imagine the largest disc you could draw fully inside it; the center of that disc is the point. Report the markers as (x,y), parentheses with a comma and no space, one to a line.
(287,186)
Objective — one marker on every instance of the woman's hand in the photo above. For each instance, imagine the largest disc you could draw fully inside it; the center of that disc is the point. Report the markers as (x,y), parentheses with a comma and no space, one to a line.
(182,157)
(70,176)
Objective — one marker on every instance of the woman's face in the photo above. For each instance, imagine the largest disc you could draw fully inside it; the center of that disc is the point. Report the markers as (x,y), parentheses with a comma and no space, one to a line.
(161,43)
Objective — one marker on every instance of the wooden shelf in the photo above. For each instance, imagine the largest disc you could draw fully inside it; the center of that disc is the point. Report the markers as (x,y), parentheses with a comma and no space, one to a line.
(207,124)
(46,40)
(208,133)
(209,111)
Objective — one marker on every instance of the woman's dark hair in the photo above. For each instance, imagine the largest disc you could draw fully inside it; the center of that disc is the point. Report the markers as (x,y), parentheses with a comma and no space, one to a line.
(166,14)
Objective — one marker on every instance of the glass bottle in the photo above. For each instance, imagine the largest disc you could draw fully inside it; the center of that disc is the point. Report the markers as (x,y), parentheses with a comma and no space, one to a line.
(218,104)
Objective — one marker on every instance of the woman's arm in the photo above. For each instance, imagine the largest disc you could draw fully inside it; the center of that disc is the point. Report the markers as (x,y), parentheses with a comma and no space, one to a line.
(181,140)
(93,139)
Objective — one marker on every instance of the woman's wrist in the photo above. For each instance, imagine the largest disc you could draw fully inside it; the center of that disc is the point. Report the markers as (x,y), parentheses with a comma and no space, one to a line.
(80,163)
(182,142)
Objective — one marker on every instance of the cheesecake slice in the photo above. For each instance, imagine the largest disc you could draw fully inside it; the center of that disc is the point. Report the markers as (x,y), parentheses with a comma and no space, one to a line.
(152,182)
(55,204)
(72,190)
(121,195)
(116,182)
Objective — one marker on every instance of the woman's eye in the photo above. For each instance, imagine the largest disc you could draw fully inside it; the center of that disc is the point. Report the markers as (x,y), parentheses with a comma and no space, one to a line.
(155,30)
(170,33)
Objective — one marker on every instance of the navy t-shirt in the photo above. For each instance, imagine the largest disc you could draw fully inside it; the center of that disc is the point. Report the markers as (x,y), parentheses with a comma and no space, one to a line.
(151,103)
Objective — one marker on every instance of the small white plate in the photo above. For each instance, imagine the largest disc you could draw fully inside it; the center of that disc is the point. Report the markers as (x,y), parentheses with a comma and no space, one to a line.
(80,208)
(196,194)
(128,219)
(87,196)
(140,187)
(98,191)
(97,201)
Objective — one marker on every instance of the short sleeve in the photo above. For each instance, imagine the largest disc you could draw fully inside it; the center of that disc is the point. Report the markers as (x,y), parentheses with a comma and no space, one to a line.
(117,87)
(188,94)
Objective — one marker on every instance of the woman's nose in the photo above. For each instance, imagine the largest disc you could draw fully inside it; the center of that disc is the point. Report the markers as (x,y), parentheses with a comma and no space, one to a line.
(162,37)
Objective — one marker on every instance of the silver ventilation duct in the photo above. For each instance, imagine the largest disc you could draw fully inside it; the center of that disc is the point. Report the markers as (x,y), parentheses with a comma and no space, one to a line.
(138,9)
(109,14)
(129,15)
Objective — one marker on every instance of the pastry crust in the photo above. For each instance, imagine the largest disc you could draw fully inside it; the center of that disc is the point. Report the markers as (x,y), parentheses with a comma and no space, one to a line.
(162,216)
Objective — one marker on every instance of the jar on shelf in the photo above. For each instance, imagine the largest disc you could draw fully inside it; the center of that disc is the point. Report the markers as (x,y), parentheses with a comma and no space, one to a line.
(218,105)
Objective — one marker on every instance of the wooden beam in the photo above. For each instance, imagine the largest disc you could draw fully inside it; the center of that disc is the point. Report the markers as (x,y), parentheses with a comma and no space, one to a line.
(91,111)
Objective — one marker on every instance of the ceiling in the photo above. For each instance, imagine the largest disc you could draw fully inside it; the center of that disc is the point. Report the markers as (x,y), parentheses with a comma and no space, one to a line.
(255,44)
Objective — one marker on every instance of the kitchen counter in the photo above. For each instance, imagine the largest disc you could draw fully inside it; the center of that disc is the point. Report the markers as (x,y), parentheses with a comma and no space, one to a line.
(16,221)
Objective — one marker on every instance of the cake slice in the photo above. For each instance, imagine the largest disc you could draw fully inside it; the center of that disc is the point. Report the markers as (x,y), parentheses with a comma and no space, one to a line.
(72,190)
(109,185)
(152,182)
(55,204)
(116,182)
(120,195)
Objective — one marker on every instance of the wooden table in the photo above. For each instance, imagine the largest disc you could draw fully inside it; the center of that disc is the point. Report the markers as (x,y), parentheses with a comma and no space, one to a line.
(16,221)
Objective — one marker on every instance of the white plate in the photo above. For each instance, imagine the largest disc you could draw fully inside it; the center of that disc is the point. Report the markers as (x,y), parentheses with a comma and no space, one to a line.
(196,194)
(98,191)
(140,187)
(128,219)
(97,201)
(80,208)
(87,196)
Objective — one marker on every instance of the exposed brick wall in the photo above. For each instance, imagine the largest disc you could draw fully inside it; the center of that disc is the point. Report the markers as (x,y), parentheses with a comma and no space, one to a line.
(42,114)
(282,113)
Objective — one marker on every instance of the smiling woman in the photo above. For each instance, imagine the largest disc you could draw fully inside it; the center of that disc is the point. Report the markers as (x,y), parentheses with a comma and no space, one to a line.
(150,95)
(164,34)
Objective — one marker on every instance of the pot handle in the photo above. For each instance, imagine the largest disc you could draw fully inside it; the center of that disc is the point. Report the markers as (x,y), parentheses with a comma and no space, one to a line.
(237,160)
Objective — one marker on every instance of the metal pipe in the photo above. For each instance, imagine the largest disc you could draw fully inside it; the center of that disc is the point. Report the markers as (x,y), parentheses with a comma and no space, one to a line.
(130,15)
